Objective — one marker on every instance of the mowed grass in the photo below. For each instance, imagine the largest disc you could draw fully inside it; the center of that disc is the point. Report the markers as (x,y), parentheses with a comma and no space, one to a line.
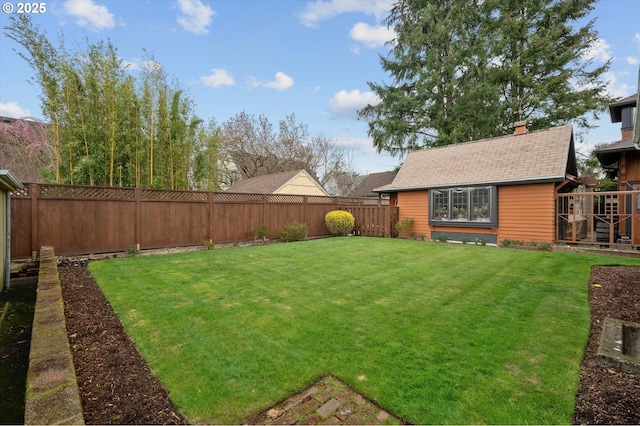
(436,333)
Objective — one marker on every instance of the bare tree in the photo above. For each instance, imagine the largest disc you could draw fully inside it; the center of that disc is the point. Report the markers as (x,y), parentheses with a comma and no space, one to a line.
(255,149)
(26,150)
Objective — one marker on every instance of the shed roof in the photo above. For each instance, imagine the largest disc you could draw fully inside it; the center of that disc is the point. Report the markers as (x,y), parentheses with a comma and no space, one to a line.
(267,184)
(537,156)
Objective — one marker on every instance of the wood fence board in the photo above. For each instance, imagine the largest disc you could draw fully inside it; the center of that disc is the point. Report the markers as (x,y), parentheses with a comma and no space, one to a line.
(85,220)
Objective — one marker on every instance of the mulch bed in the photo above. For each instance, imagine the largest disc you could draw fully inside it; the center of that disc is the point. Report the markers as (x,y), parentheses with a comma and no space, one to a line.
(607,396)
(117,386)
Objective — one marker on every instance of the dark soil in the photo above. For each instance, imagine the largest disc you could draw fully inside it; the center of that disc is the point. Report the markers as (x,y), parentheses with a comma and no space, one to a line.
(607,396)
(117,386)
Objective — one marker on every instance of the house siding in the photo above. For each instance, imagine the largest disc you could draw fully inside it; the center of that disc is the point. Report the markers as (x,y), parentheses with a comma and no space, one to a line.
(527,212)
(301,185)
(415,205)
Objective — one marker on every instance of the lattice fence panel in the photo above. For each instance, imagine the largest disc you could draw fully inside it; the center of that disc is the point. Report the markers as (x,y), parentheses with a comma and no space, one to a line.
(21,193)
(283,198)
(168,195)
(92,192)
(362,201)
(231,197)
(313,199)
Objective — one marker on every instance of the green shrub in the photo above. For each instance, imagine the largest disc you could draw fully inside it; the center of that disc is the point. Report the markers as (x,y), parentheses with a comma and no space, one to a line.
(132,250)
(259,232)
(404,226)
(209,244)
(294,231)
(545,246)
(442,238)
(339,222)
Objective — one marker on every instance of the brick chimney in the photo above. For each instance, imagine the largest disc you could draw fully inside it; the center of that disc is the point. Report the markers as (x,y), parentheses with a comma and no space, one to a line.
(520,127)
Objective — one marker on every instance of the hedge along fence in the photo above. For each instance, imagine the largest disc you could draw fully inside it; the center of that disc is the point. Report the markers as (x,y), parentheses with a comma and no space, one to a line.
(79,220)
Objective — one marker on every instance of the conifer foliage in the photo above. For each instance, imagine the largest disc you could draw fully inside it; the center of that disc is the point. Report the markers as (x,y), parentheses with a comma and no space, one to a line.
(468,69)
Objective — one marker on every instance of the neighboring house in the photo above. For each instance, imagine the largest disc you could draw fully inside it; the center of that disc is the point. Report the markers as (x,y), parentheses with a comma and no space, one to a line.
(370,182)
(491,189)
(342,184)
(297,182)
(8,183)
(621,159)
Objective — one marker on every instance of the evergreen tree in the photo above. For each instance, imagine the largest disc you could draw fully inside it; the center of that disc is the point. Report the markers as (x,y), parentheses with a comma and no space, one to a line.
(467,69)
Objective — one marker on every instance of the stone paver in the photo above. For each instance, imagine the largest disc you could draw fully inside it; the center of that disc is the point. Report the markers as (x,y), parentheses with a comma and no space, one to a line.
(329,401)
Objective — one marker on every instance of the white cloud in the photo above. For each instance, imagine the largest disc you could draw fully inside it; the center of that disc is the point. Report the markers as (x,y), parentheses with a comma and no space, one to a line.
(600,50)
(345,105)
(281,82)
(196,16)
(13,110)
(633,60)
(636,38)
(218,78)
(371,36)
(617,89)
(325,9)
(90,14)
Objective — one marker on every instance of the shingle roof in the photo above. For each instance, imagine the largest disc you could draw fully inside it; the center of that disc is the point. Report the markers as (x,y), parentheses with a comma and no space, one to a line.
(610,154)
(542,155)
(370,182)
(266,184)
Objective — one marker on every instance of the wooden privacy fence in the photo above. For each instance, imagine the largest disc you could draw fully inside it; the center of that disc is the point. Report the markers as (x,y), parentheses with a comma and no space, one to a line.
(80,220)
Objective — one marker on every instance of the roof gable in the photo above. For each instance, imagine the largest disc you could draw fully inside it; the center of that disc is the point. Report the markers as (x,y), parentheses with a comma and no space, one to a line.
(543,155)
(271,184)
(370,182)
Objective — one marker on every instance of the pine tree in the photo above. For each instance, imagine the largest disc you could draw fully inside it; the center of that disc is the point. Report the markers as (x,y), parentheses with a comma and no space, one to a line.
(467,69)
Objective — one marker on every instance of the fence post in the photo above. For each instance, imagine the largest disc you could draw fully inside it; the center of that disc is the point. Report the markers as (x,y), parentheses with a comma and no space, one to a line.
(210,198)
(264,212)
(34,190)
(138,195)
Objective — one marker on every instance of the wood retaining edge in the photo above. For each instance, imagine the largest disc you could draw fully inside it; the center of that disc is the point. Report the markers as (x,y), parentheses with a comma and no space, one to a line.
(52,395)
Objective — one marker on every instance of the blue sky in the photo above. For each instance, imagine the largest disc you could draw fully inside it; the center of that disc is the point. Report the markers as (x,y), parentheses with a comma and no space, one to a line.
(277,57)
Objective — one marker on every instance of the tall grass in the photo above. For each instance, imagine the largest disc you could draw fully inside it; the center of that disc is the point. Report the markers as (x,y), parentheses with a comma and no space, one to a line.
(436,333)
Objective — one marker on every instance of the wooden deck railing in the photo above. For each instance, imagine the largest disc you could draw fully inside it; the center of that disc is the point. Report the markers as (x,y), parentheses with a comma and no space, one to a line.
(599,218)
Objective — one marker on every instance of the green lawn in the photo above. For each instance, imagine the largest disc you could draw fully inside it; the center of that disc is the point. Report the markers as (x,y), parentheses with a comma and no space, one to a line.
(436,333)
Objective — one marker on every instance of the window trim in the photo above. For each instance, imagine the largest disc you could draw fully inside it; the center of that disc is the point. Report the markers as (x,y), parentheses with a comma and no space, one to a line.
(464,223)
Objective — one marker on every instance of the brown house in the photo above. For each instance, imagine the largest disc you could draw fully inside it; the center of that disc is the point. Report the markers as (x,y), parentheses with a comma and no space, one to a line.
(492,189)
(621,159)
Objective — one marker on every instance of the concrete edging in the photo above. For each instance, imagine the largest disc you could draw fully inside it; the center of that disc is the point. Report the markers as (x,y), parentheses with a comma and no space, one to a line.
(52,395)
